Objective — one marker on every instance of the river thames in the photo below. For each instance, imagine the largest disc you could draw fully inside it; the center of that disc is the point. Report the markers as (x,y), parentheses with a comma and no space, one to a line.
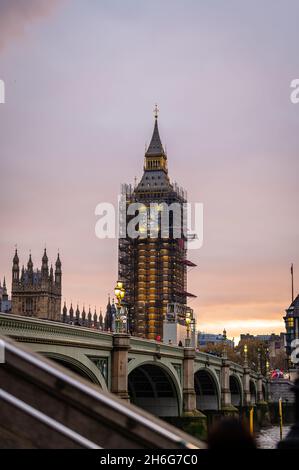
(268,438)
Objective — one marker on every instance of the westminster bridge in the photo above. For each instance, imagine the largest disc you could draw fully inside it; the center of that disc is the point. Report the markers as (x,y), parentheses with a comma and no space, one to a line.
(166,380)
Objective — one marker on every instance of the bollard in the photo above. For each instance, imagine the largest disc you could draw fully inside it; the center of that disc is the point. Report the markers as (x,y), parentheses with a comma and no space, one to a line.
(251,411)
(280,416)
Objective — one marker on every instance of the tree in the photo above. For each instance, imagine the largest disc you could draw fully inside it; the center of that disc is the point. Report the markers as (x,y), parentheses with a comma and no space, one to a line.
(256,351)
(279,361)
(218,348)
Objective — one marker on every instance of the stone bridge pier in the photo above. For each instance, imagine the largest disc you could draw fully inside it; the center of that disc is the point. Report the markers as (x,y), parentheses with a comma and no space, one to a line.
(119,365)
(189,395)
(184,386)
(226,395)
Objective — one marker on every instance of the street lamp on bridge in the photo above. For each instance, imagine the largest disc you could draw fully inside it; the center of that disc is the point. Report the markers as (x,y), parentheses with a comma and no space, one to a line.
(119,292)
(245,355)
(188,328)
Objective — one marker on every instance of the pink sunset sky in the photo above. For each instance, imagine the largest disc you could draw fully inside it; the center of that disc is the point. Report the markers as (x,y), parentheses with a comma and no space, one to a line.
(82,78)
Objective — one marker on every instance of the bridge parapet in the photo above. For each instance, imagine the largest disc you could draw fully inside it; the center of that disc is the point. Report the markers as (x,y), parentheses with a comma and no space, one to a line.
(28,329)
(208,359)
(236,368)
(145,346)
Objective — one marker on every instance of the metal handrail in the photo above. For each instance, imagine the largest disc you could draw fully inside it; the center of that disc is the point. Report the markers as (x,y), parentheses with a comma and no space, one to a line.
(101,397)
(50,422)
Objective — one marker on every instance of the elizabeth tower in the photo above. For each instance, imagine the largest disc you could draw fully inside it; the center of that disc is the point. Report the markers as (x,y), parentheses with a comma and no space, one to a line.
(154,269)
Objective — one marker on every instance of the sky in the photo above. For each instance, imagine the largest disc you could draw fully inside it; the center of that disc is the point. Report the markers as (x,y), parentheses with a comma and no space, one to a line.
(81,81)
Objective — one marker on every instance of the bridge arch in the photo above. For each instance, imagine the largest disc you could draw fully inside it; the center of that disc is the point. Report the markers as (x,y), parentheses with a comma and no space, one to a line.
(253,392)
(207,389)
(83,367)
(154,387)
(236,390)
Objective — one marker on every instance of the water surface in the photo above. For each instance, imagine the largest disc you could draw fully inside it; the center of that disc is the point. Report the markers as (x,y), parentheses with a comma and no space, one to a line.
(268,438)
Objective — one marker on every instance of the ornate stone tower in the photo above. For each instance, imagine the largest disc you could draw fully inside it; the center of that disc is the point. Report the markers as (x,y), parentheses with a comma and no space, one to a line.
(154,268)
(36,293)
(292,326)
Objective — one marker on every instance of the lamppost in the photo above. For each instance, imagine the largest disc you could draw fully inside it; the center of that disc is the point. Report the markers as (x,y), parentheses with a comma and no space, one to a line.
(124,320)
(245,355)
(259,368)
(188,328)
(267,368)
(119,292)
(267,362)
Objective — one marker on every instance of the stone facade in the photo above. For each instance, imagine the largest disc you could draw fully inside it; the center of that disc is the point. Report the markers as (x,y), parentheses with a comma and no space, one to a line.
(282,388)
(36,293)
(5,303)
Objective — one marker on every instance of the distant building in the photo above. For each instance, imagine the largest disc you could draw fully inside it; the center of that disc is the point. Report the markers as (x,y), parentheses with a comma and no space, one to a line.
(263,338)
(272,341)
(5,302)
(174,325)
(275,343)
(36,293)
(203,339)
(292,325)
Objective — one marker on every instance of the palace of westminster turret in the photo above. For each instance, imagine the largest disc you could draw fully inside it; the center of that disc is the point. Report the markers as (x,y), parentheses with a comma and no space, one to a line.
(36,293)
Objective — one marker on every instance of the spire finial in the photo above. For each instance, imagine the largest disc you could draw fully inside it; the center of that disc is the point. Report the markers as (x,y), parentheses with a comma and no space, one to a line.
(292,280)
(155,148)
(16,258)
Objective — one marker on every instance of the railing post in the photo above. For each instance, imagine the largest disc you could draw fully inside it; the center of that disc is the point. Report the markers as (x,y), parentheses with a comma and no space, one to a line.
(260,396)
(119,365)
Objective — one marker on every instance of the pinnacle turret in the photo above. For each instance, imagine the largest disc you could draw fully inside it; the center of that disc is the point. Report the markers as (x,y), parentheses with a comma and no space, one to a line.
(155,148)
(30,263)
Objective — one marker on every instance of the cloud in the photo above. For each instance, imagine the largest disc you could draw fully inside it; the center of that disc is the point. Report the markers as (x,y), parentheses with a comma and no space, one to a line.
(16,14)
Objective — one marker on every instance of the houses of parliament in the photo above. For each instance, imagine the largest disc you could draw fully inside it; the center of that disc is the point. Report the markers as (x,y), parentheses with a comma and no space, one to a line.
(153,270)
(36,293)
